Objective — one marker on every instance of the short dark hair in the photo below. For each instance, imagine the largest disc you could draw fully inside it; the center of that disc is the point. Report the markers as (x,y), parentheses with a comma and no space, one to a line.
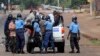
(19,15)
(74,18)
(31,11)
(10,16)
(47,18)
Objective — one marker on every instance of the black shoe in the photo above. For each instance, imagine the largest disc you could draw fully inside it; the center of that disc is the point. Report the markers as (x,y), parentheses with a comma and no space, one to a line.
(17,52)
(22,52)
(78,52)
(45,50)
(7,51)
(32,52)
(42,51)
(71,52)
(54,50)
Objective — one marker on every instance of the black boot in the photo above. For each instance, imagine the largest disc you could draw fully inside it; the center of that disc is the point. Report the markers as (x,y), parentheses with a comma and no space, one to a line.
(7,49)
(18,51)
(45,50)
(53,50)
(78,51)
(22,51)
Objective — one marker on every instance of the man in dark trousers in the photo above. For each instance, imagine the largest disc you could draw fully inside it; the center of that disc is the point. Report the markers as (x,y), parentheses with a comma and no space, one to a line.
(20,33)
(74,33)
(48,35)
(37,35)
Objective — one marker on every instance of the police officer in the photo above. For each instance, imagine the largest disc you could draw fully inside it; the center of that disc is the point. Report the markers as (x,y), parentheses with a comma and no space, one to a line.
(48,34)
(20,33)
(74,33)
(37,35)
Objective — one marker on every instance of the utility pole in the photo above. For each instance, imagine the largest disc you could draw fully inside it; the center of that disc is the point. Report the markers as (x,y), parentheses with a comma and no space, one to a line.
(8,4)
(58,3)
(91,6)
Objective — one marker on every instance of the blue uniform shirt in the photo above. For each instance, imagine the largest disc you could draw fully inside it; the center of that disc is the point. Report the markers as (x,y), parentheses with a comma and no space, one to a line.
(36,27)
(74,28)
(48,25)
(19,23)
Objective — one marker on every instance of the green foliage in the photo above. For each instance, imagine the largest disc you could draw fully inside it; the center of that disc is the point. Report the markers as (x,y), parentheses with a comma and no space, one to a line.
(29,3)
(77,3)
(22,6)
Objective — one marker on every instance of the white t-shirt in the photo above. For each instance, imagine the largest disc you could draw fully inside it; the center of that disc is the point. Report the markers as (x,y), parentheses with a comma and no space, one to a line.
(30,17)
(51,17)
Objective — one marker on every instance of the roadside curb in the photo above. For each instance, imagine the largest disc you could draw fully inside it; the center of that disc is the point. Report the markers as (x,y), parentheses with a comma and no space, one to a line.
(88,36)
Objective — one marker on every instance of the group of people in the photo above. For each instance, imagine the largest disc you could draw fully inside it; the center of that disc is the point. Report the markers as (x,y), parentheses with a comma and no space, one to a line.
(38,25)
(14,32)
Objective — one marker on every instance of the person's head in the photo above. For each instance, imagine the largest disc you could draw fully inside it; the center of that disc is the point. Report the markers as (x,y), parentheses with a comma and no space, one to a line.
(74,19)
(42,16)
(54,12)
(10,17)
(48,18)
(31,11)
(19,15)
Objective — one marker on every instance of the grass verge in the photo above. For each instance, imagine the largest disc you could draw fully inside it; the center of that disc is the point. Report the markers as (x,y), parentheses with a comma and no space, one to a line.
(95,42)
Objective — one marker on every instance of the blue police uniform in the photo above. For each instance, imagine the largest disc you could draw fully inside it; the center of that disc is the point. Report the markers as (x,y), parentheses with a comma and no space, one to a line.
(20,34)
(36,27)
(37,35)
(48,35)
(74,28)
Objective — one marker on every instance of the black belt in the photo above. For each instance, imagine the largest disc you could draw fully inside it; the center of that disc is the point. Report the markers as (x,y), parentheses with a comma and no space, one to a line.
(48,30)
(73,33)
(20,29)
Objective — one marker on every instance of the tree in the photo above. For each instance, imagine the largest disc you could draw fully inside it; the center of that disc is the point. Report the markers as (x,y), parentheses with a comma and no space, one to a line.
(77,3)
(29,3)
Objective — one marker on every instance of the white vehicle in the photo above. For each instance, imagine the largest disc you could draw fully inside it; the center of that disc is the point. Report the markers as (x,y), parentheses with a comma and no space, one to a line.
(58,35)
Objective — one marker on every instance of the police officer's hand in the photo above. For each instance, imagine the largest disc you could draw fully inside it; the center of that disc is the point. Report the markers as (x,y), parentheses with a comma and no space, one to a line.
(78,38)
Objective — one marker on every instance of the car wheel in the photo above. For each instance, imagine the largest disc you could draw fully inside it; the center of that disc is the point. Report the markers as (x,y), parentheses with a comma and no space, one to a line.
(29,48)
(60,48)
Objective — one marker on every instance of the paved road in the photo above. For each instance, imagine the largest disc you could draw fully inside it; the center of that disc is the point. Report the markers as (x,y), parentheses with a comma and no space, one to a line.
(87,49)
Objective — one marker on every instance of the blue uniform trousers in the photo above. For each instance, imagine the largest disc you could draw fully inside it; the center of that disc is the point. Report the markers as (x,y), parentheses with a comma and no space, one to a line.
(20,39)
(48,38)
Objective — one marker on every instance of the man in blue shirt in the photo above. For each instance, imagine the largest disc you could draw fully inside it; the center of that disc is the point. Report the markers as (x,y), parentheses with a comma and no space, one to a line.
(48,34)
(20,33)
(74,33)
(37,35)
